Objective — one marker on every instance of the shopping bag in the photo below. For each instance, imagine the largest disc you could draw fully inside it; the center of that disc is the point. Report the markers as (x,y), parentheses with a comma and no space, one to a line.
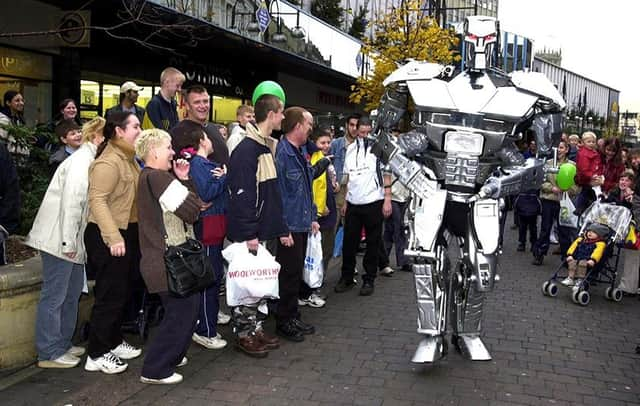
(250,278)
(337,246)
(313,271)
(567,216)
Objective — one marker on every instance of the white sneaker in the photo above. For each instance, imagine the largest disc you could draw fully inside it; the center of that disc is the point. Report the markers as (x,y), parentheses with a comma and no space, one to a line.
(313,300)
(568,281)
(175,378)
(76,351)
(223,318)
(184,362)
(64,361)
(387,271)
(126,351)
(109,363)
(212,343)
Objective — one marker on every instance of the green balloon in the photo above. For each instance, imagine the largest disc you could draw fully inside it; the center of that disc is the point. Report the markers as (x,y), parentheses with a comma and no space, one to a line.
(268,87)
(566,176)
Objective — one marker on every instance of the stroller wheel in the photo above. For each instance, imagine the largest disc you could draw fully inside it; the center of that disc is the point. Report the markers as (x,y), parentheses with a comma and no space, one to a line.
(607,293)
(616,295)
(584,298)
(552,289)
(545,287)
(574,294)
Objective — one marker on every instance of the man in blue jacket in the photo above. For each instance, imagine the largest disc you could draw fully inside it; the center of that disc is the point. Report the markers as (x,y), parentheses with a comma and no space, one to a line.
(254,211)
(295,181)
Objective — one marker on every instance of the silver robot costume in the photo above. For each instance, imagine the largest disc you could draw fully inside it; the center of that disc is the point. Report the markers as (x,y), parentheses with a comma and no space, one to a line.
(458,160)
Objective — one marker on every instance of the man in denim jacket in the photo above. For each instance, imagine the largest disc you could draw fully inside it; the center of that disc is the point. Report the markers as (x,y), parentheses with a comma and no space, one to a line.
(295,177)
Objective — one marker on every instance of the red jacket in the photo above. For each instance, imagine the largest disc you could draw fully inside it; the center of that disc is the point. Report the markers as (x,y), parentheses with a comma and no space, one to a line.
(589,163)
(612,172)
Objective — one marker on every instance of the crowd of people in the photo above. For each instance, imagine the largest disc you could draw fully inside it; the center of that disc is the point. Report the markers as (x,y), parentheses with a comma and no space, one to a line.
(127,186)
(605,170)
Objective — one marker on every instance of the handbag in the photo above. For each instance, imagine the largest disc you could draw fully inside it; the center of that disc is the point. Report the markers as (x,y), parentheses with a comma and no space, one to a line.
(187,266)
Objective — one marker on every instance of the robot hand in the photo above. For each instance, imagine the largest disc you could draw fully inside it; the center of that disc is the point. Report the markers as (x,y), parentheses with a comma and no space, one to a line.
(514,180)
(417,178)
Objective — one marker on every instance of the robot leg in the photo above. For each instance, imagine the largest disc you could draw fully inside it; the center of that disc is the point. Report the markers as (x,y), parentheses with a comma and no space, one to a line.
(432,310)
(475,276)
(425,218)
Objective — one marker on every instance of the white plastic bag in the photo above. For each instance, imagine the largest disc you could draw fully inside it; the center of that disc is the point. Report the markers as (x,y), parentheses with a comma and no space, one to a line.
(567,216)
(313,271)
(250,278)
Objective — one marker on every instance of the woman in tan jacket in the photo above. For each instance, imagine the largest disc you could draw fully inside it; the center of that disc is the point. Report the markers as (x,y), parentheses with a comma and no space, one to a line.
(111,241)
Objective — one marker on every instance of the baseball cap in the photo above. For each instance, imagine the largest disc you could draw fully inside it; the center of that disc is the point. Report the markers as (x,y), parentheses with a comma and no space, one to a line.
(126,86)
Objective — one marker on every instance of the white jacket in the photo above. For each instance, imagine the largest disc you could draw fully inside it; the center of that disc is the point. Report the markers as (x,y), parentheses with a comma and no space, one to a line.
(62,218)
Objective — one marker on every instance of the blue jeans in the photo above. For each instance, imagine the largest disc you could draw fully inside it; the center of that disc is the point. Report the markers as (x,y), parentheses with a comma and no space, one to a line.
(394,232)
(62,283)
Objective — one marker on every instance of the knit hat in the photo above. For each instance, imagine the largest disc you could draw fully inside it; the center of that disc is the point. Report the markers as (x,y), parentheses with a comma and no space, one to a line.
(600,229)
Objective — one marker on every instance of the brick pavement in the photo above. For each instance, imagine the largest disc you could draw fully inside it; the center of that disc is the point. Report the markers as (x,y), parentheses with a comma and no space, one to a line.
(546,351)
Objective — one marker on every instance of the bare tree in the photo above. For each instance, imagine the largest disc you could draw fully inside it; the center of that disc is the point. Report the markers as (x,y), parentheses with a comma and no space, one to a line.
(142,22)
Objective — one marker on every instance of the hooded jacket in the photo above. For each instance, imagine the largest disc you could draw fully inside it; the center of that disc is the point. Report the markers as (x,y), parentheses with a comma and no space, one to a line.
(254,207)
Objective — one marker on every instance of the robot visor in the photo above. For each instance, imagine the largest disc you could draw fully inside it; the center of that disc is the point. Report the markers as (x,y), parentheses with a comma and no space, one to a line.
(460,142)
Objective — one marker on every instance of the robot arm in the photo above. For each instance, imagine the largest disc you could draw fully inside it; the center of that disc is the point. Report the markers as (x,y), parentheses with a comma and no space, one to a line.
(414,176)
(512,180)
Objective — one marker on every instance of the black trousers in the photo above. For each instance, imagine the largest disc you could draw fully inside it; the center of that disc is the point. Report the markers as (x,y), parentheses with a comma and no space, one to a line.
(528,223)
(357,216)
(112,289)
(291,260)
(172,337)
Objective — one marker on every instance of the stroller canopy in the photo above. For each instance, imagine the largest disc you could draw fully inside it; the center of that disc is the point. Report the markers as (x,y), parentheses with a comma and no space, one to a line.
(617,218)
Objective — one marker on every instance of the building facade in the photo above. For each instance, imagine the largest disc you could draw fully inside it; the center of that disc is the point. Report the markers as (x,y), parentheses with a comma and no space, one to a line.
(215,43)
(587,100)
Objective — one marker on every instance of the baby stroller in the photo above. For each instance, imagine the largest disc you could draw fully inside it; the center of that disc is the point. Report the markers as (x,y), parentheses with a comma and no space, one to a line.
(617,219)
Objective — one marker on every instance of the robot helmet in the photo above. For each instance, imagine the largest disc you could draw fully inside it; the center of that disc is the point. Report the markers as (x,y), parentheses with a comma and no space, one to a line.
(481,42)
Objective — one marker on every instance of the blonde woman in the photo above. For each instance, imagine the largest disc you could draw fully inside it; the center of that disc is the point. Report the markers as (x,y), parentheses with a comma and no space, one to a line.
(111,239)
(57,232)
(165,203)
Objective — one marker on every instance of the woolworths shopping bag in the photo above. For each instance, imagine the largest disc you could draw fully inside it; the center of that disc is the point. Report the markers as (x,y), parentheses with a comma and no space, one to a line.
(250,278)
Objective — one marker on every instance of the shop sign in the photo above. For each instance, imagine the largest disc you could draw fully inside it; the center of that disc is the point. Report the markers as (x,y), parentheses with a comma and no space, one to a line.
(333,99)
(24,64)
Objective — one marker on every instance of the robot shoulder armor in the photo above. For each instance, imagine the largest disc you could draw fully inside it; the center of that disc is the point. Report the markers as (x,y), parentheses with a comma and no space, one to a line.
(415,70)
(538,84)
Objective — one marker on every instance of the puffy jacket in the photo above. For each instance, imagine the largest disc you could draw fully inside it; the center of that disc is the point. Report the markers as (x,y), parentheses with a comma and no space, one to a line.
(295,178)
(319,186)
(59,225)
(589,163)
(586,249)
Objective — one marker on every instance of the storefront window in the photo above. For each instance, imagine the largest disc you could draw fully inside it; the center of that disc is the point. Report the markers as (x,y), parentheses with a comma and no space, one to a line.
(97,97)
(30,74)
(224,109)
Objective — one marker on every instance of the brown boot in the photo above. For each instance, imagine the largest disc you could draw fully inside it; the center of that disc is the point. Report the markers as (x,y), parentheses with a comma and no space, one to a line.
(270,342)
(251,346)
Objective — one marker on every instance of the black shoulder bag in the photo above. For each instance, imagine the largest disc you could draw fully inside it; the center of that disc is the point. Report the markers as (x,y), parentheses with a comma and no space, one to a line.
(188,268)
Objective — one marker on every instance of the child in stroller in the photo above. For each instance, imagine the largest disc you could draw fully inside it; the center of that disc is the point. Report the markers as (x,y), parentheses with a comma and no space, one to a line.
(585,251)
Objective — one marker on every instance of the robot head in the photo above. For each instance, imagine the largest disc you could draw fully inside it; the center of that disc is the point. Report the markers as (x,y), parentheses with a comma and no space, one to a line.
(481,42)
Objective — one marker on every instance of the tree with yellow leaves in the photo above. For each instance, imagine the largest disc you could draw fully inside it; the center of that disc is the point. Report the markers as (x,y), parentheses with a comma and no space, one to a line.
(405,32)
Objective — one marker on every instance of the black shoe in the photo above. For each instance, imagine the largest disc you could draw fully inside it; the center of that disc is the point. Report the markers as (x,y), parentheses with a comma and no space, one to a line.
(289,331)
(344,286)
(537,260)
(366,289)
(303,327)
(520,248)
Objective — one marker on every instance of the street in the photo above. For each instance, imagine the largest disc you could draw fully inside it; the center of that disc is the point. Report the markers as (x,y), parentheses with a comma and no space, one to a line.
(546,351)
